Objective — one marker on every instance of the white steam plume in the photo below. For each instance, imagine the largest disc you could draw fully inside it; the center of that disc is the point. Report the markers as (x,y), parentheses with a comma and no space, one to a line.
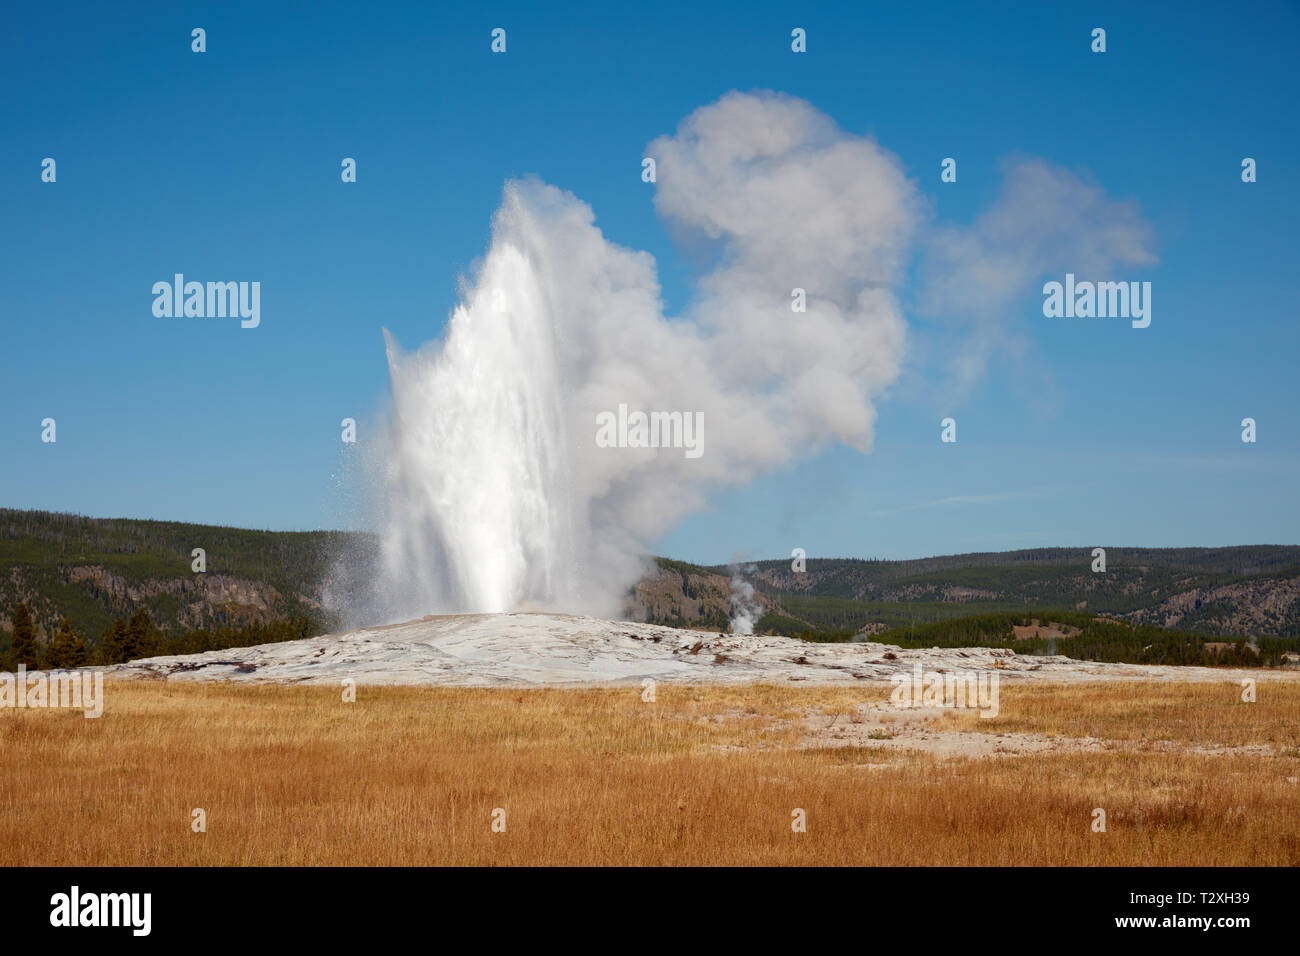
(746,609)
(1046,221)
(496,492)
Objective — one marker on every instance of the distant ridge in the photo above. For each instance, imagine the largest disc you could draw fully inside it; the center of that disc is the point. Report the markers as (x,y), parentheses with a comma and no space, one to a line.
(93,570)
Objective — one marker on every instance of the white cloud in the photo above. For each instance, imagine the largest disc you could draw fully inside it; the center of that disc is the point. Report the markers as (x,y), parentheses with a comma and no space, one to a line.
(496,493)
(1046,221)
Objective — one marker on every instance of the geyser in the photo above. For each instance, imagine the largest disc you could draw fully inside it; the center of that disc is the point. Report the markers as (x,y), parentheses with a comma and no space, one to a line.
(496,491)
(478,472)
(500,488)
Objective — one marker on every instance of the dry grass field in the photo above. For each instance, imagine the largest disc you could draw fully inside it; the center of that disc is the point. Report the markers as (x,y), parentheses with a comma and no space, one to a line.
(1187,774)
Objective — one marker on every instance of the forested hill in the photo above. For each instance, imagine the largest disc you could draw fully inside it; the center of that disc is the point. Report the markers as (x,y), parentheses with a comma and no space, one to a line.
(94,570)
(1237,592)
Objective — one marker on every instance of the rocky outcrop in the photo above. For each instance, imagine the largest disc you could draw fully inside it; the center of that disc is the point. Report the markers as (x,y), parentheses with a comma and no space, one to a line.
(1261,606)
(179,603)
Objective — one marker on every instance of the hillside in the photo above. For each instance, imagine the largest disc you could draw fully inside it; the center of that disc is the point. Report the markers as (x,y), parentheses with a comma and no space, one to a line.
(94,570)
(1232,592)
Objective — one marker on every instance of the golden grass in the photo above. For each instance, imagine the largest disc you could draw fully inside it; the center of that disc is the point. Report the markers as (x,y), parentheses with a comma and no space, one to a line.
(705,775)
(1208,715)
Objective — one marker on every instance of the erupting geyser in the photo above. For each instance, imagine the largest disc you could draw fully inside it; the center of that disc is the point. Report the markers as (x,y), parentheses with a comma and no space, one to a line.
(479,454)
(497,494)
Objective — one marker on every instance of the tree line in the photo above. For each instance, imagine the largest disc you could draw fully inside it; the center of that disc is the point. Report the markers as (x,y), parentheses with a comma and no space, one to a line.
(138,637)
(1099,639)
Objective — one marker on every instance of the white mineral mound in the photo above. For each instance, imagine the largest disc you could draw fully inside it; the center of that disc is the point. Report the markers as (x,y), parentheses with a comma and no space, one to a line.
(534,649)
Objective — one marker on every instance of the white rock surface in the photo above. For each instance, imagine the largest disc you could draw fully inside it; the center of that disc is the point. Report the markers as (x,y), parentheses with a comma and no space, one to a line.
(536,649)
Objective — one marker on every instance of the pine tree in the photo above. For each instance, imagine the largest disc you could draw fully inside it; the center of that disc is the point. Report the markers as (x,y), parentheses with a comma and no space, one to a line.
(68,649)
(112,644)
(141,636)
(24,649)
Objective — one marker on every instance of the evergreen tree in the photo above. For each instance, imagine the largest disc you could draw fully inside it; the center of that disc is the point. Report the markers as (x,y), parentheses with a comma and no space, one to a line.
(112,644)
(24,650)
(68,649)
(141,636)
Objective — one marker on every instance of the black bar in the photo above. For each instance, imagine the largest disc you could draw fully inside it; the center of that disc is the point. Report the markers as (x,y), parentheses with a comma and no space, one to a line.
(946,905)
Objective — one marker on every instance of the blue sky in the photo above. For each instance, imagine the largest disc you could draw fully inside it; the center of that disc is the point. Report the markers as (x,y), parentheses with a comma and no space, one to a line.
(226,165)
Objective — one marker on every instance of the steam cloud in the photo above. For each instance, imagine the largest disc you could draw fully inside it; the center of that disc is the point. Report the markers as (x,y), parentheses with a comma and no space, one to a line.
(1046,220)
(746,610)
(495,492)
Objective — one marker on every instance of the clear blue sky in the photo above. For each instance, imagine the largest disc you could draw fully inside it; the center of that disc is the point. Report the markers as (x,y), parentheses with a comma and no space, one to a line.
(226,165)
